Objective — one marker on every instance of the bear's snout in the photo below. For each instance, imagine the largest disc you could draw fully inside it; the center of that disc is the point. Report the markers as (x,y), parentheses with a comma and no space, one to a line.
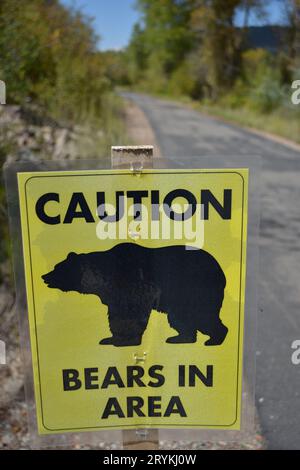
(47,278)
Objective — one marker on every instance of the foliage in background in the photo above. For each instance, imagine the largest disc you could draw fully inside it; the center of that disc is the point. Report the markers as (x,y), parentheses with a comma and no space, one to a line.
(49,56)
(193,48)
(53,70)
(164,40)
(198,36)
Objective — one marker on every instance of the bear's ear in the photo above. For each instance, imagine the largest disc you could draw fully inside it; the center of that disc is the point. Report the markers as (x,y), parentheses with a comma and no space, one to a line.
(71,256)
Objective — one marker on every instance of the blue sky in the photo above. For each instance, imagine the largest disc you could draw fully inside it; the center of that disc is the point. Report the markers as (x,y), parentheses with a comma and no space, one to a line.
(114,19)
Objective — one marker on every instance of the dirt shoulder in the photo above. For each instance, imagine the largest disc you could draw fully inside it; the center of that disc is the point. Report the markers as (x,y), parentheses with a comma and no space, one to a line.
(139,130)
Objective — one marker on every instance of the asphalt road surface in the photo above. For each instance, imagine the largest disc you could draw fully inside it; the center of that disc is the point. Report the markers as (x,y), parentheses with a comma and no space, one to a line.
(180,133)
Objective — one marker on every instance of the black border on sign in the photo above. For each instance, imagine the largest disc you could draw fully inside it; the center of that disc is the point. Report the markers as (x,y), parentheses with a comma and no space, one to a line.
(156,426)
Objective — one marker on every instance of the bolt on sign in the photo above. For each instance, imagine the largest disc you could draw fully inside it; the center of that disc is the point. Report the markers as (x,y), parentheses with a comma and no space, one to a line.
(136,290)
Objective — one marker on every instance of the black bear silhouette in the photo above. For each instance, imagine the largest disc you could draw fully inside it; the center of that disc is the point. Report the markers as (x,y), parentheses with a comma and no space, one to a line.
(186,284)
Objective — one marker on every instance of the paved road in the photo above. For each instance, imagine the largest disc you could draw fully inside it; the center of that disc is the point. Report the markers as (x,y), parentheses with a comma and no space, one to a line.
(181,132)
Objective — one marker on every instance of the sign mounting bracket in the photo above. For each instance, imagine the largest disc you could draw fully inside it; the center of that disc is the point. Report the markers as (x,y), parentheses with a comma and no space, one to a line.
(136,158)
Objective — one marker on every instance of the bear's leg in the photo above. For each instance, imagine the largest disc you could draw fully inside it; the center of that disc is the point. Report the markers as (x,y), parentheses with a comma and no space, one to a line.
(187,333)
(130,330)
(183,338)
(109,340)
(127,324)
(112,317)
(217,332)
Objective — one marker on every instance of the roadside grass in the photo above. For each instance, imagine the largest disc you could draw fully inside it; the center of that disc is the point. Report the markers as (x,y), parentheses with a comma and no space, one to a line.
(105,131)
(281,122)
(114,126)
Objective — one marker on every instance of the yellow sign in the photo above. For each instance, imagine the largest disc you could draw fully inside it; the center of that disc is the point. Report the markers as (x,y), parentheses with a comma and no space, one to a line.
(136,291)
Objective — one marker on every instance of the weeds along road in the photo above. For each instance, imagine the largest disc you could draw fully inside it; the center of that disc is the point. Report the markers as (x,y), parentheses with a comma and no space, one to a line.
(181,132)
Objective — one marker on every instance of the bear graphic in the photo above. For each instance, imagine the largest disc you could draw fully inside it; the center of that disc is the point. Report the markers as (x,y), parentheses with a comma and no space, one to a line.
(131,280)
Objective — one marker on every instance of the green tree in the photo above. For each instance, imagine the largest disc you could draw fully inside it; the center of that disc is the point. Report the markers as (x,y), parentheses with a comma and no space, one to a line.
(199,36)
(48,54)
(220,41)
(160,42)
(292,16)
(138,54)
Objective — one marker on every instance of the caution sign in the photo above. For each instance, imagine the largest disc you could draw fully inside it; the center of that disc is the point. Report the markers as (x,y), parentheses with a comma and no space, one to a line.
(136,291)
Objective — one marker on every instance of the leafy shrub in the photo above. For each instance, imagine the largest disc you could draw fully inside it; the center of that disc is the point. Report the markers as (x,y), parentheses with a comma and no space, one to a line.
(184,82)
(267,96)
(48,54)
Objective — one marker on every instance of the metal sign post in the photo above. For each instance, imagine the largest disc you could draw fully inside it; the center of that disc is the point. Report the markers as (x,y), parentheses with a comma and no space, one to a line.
(136,158)
(2,92)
